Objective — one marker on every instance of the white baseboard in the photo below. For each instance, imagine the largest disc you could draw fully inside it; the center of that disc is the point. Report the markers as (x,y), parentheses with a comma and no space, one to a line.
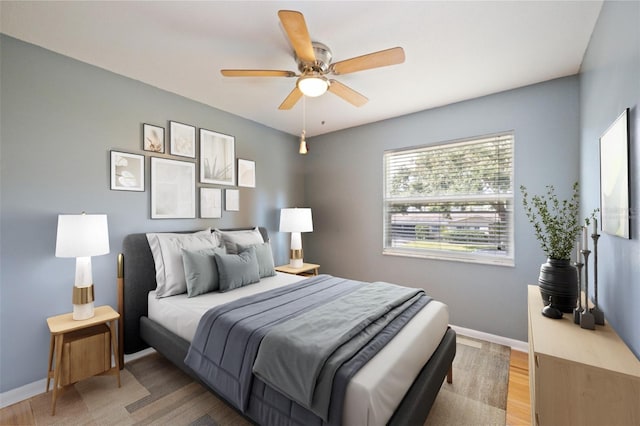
(32,389)
(29,390)
(517,345)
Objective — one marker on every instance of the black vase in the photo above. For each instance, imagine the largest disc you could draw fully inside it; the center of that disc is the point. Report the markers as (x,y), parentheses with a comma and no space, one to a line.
(559,280)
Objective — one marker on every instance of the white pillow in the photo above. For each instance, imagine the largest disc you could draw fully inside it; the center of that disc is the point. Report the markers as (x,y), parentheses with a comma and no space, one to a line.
(166,249)
(246,237)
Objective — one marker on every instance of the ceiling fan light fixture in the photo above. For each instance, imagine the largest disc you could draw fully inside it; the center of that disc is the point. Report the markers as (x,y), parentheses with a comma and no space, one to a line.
(313,85)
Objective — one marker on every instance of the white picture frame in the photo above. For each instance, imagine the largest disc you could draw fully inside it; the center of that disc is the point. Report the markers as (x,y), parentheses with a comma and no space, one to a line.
(127,171)
(183,139)
(173,189)
(232,200)
(217,158)
(246,173)
(210,203)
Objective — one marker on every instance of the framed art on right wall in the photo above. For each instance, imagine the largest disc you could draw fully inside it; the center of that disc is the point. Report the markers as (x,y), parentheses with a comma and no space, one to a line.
(614,177)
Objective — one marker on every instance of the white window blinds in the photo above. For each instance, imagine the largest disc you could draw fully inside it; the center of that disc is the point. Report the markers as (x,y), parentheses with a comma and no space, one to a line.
(452,200)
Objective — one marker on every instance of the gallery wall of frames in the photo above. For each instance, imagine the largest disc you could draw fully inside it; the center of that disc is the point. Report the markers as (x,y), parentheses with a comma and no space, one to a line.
(194,159)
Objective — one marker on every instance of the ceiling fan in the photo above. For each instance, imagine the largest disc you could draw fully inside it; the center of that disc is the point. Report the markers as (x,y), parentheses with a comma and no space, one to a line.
(314,64)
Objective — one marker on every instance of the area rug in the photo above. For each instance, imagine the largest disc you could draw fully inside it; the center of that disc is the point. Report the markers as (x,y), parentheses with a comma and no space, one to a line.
(154,392)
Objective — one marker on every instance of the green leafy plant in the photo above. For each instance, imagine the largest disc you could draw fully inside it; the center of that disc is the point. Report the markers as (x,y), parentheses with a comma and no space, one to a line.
(555,222)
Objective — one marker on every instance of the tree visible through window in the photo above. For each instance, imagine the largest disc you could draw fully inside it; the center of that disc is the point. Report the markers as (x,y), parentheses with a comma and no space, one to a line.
(452,200)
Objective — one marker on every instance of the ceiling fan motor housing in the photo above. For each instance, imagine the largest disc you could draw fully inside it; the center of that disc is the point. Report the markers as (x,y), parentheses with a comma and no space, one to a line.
(323,59)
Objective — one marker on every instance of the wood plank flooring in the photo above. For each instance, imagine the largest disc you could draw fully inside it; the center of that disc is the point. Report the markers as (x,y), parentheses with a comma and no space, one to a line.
(518,403)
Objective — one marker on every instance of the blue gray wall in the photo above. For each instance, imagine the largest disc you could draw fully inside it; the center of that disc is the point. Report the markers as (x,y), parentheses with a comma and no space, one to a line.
(60,118)
(609,83)
(343,186)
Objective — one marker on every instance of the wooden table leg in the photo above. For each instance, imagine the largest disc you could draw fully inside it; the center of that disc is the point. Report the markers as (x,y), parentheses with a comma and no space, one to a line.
(450,374)
(114,348)
(56,373)
(51,346)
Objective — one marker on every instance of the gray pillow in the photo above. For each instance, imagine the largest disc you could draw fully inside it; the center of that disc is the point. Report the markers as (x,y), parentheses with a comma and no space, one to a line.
(266,268)
(237,270)
(231,239)
(201,271)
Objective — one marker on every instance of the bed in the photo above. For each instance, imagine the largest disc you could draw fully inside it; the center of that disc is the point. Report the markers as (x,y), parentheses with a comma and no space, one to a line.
(168,325)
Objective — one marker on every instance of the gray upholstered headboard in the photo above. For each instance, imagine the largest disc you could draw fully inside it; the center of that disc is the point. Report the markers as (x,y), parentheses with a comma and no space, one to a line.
(138,275)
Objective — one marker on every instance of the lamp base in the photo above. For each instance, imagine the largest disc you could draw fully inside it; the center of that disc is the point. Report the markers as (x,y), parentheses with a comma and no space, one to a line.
(296,263)
(295,257)
(82,302)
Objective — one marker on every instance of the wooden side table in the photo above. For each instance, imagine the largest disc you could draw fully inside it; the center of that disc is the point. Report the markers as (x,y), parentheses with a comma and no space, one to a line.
(82,348)
(308,269)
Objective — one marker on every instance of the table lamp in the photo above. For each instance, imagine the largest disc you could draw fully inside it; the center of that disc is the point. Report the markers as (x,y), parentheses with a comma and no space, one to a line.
(82,236)
(296,221)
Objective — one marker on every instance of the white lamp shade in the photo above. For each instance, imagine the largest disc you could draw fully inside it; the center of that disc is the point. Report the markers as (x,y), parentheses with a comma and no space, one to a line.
(82,235)
(296,220)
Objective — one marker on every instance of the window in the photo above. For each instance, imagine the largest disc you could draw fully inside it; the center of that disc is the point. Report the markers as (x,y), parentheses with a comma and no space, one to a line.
(451,201)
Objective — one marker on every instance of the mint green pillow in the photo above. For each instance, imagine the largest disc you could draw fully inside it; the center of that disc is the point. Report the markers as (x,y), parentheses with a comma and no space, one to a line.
(201,271)
(237,270)
(266,267)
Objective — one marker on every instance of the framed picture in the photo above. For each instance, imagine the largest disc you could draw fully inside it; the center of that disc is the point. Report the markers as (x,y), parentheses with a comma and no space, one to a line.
(173,189)
(217,158)
(232,200)
(153,138)
(127,171)
(614,177)
(183,139)
(210,203)
(246,173)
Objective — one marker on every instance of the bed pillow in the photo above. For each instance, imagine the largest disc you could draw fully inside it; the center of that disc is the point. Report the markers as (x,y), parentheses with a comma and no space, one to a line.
(167,256)
(266,267)
(200,270)
(231,239)
(237,270)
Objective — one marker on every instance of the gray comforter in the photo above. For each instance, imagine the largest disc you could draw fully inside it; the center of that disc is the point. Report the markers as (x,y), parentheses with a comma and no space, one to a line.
(305,340)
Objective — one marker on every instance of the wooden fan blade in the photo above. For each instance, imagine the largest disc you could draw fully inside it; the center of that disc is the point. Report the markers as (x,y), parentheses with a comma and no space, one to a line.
(291,100)
(257,73)
(382,58)
(347,93)
(296,29)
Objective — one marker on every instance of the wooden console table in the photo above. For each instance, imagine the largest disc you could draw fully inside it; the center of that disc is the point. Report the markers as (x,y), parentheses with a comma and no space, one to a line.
(577,376)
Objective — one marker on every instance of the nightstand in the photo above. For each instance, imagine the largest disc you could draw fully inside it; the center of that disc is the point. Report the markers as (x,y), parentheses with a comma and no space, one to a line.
(82,348)
(308,269)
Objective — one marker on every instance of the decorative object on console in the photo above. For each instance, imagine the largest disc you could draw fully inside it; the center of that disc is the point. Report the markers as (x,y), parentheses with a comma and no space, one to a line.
(296,221)
(246,173)
(586,318)
(231,200)
(598,315)
(578,309)
(173,189)
(556,225)
(217,158)
(127,171)
(153,138)
(614,177)
(82,236)
(550,311)
(210,203)
(183,139)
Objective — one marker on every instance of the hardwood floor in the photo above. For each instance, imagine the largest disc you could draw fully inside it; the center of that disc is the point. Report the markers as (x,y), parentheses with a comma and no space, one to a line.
(518,405)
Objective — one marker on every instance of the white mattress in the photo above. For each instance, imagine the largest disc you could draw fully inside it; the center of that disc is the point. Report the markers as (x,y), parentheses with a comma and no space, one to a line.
(375,391)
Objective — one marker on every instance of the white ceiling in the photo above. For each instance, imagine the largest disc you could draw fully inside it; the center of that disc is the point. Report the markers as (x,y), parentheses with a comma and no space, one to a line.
(455,50)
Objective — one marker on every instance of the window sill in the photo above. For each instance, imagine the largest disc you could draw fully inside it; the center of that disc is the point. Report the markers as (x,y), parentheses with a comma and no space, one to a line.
(495,261)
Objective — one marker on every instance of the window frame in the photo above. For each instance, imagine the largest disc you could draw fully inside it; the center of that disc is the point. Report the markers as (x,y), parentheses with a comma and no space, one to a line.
(450,255)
